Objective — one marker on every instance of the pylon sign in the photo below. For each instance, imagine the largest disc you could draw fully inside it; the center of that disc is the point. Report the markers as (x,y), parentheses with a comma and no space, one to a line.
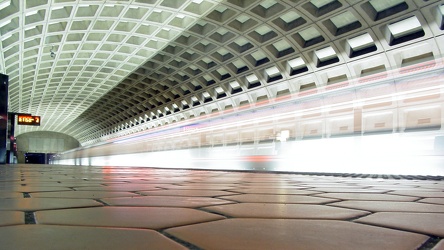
(32,120)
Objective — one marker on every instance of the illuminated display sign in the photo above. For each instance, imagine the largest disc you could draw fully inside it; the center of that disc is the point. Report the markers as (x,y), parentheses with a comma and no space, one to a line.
(28,120)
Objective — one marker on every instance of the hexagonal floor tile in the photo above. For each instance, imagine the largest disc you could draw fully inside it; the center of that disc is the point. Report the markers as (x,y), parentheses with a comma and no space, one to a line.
(426,223)
(439,201)
(30,189)
(10,195)
(127,187)
(165,201)
(278,198)
(192,192)
(391,206)
(349,190)
(129,217)
(11,218)
(294,234)
(273,191)
(83,194)
(202,186)
(368,197)
(439,246)
(35,204)
(421,194)
(299,211)
(68,237)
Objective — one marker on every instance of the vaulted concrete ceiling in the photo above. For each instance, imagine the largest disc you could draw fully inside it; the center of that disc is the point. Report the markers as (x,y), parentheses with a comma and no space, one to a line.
(97,70)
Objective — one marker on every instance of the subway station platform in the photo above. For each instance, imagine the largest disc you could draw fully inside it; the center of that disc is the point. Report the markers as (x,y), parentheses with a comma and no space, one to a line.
(72,207)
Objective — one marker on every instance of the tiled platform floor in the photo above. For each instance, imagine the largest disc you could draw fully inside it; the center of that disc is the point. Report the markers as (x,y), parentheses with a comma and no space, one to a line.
(67,207)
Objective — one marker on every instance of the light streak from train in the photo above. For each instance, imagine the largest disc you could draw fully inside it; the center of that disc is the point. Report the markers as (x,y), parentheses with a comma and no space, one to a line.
(275,113)
(383,126)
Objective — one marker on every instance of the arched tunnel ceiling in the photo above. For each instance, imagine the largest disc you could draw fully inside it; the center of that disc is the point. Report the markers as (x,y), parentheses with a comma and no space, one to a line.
(124,66)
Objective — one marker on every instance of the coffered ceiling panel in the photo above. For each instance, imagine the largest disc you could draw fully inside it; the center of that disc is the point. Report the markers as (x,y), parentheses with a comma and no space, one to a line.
(97,70)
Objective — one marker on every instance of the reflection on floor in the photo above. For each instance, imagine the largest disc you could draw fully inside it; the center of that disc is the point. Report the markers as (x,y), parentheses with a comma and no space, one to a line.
(68,207)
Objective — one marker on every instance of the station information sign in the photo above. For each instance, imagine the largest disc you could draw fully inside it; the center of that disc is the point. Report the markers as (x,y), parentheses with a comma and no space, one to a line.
(32,120)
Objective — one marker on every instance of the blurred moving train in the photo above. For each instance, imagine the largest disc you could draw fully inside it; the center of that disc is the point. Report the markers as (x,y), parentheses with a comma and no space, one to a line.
(385,123)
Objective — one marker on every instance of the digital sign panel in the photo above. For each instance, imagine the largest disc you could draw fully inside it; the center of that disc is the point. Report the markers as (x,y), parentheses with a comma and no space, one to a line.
(32,120)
